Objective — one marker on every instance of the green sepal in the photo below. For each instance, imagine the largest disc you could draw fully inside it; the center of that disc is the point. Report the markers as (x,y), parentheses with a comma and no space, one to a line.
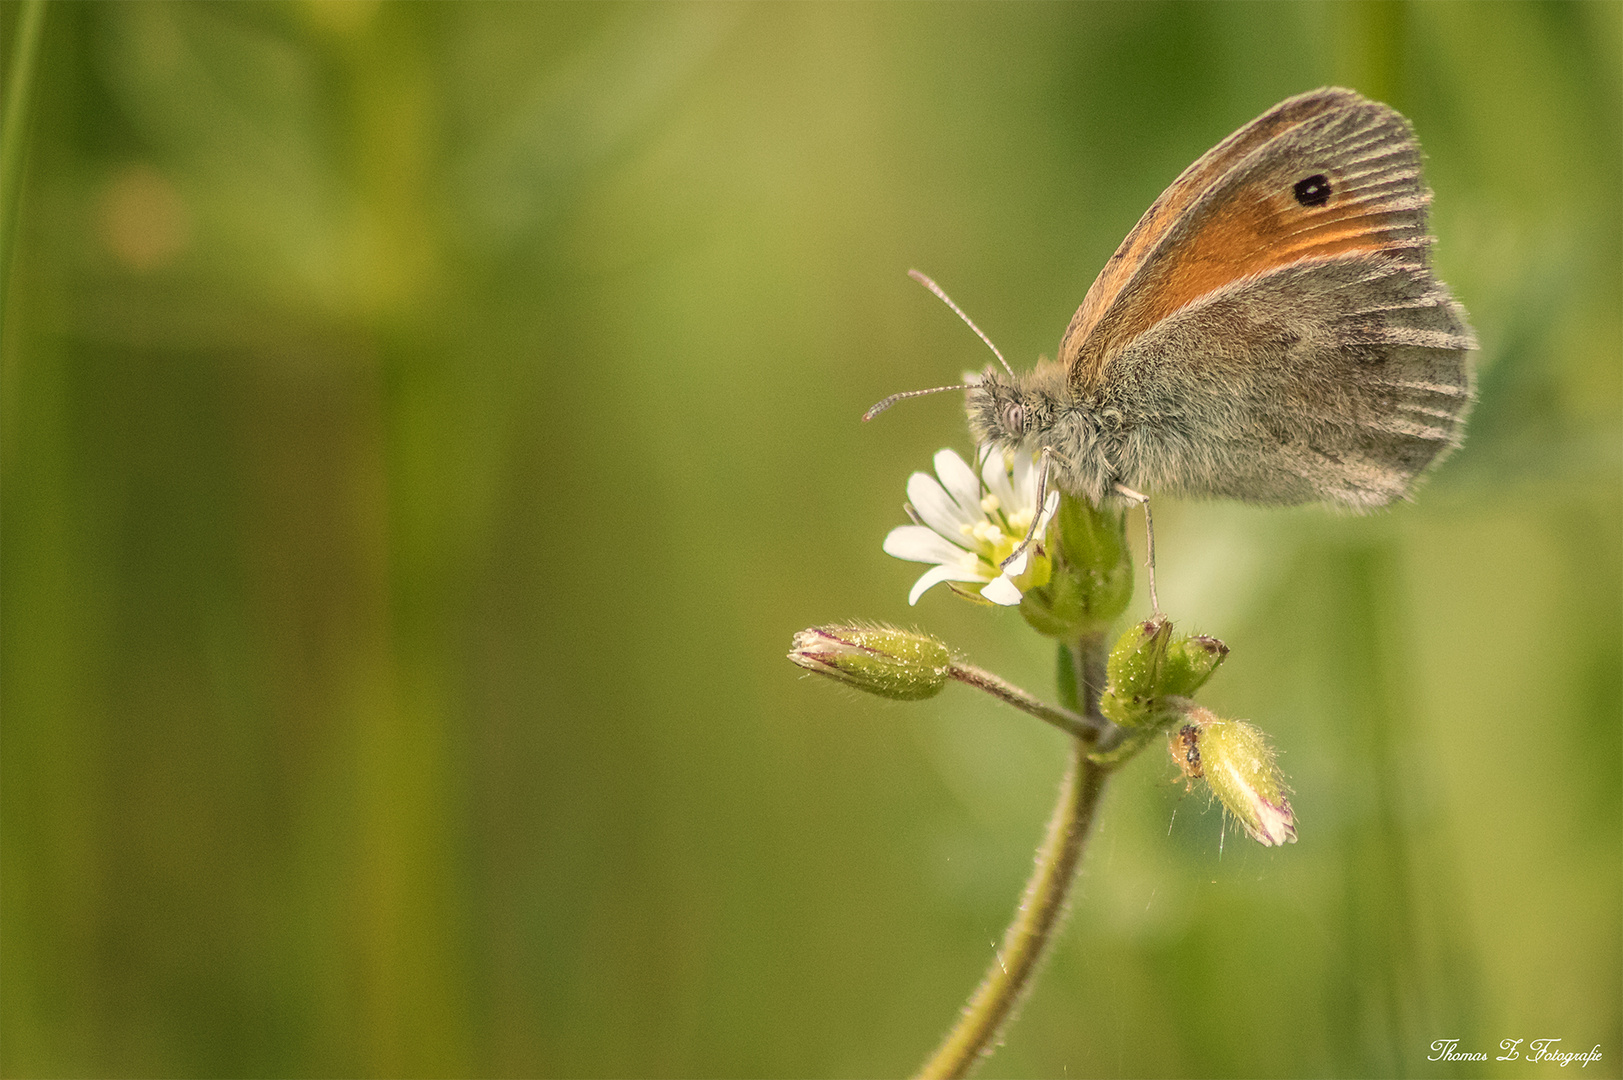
(1135,668)
(1189,662)
(1093,545)
(1092,579)
(1149,667)
(1239,764)
(1092,538)
(1058,609)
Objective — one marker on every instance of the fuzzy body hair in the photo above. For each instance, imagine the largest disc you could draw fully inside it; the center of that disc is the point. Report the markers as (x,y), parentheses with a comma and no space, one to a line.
(1338,380)
(1244,343)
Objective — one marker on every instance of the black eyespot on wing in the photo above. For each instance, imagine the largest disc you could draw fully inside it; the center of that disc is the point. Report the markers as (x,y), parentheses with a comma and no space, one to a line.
(1312,190)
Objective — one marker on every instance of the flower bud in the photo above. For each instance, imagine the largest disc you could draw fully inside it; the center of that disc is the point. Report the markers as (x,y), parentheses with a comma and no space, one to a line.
(1135,668)
(1189,662)
(879,659)
(1149,668)
(1234,758)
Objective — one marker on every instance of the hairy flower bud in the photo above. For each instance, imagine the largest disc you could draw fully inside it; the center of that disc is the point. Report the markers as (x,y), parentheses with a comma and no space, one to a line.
(1189,662)
(1135,669)
(1234,758)
(882,660)
(1152,673)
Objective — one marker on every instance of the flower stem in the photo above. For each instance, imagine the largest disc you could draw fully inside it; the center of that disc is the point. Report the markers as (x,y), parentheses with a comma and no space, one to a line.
(1043,903)
(1086,728)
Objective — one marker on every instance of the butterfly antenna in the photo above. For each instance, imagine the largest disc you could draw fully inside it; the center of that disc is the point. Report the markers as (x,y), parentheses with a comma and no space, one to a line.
(945,299)
(894,398)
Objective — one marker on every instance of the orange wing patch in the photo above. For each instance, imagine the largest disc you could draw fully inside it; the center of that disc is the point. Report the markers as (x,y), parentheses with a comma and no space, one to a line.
(1188,187)
(1257,231)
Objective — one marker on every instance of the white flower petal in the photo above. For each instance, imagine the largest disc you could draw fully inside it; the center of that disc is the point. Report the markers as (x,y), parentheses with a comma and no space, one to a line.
(959,527)
(1024,480)
(915,543)
(959,480)
(936,508)
(937,574)
(995,472)
(1050,508)
(1275,825)
(1002,591)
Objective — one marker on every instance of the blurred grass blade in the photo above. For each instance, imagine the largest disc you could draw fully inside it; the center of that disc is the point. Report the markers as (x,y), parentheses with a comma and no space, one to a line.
(578,117)
(13,136)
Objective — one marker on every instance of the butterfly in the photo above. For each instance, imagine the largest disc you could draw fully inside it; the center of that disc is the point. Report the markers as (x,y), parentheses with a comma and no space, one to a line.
(1270,330)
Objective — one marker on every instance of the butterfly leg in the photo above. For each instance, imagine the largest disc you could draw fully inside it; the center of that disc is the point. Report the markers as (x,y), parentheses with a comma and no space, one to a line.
(1036,518)
(1149,537)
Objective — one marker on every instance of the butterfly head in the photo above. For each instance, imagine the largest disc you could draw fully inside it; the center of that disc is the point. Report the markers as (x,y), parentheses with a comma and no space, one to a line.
(1014,411)
(1037,410)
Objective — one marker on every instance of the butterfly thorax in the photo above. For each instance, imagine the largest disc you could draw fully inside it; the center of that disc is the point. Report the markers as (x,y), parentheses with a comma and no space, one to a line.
(1038,410)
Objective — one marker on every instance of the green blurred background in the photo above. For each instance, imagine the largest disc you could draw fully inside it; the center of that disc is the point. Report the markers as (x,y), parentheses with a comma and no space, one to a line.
(423,427)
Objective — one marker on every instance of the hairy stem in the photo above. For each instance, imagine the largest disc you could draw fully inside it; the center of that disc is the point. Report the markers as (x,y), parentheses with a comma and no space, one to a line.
(1043,903)
(1086,728)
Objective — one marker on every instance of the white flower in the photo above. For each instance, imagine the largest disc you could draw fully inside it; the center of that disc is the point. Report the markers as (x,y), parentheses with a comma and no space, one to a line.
(972,524)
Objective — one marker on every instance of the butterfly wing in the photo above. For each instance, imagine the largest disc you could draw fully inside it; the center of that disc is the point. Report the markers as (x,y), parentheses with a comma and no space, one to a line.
(1337,379)
(1271,330)
(1082,350)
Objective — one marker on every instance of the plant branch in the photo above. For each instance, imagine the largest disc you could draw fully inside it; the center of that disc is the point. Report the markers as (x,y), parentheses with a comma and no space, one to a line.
(1043,903)
(1086,728)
